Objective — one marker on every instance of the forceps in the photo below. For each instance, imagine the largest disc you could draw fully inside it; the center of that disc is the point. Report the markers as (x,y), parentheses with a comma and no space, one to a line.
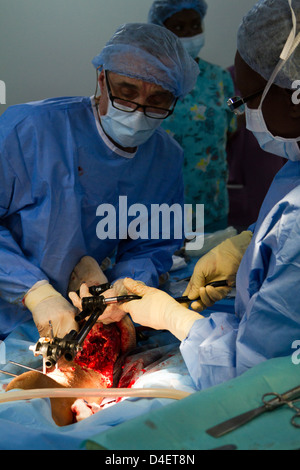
(295,420)
(271,401)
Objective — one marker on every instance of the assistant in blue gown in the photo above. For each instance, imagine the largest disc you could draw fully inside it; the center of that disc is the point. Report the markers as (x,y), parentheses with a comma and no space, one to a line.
(267,319)
(266,322)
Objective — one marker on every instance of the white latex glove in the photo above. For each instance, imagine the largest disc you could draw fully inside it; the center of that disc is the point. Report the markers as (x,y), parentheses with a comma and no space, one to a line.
(113,313)
(46,304)
(158,310)
(88,271)
(221,263)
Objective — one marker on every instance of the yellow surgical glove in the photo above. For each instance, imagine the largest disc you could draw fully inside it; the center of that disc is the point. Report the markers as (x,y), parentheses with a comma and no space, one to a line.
(46,304)
(86,271)
(158,310)
(221,263)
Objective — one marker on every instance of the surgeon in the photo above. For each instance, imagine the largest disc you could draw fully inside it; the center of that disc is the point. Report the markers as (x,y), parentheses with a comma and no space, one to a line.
(202,123)
(266,259)
(73,168)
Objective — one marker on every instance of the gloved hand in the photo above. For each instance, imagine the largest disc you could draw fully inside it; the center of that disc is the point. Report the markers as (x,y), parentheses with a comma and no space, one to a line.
(113,313)
(46,304)
(221,263)
(117,289)
(158,310)
(88,271)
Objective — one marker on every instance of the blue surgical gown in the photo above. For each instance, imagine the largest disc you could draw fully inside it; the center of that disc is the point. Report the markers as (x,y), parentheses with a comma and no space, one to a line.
(267,312)
(57,167)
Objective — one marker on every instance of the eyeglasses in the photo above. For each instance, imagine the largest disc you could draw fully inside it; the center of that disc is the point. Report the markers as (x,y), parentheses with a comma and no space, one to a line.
(237,104)
(127,106)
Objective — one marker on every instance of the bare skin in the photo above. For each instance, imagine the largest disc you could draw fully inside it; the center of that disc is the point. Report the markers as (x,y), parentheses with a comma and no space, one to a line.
(132,89)
(281,115)
(185,23)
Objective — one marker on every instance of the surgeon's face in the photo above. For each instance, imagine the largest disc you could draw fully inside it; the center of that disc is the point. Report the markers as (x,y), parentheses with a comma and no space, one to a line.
(185,23)
(282,117)
(132,89)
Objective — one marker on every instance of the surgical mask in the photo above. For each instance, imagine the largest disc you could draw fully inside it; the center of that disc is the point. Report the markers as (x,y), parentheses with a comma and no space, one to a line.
(128,129)
(193,44)
(255,122)
(286,148)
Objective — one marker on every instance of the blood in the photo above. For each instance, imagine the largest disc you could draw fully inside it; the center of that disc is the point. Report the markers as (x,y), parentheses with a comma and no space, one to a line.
(100,350)
(131,372)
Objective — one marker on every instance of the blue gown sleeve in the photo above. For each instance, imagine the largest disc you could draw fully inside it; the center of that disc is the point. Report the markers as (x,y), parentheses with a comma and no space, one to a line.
(146,260)
(251,227)
(17,273)
(209,349)
(271,321)
(267,324)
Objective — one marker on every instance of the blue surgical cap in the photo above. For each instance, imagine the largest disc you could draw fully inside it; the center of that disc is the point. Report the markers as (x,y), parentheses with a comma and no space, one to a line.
(262,36)
(150,53)
(161,10)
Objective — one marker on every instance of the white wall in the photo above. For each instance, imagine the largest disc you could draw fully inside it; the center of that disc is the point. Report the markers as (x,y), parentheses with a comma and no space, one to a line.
(46,46)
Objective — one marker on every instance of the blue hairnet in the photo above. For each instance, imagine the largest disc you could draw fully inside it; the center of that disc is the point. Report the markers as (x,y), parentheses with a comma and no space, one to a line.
(262,36)
(163,9)
(150,53)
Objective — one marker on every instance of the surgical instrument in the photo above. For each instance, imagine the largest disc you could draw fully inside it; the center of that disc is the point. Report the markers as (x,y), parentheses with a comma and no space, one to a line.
(25,367)
(8,373)
(287,398)
(90,303)
(185,298)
